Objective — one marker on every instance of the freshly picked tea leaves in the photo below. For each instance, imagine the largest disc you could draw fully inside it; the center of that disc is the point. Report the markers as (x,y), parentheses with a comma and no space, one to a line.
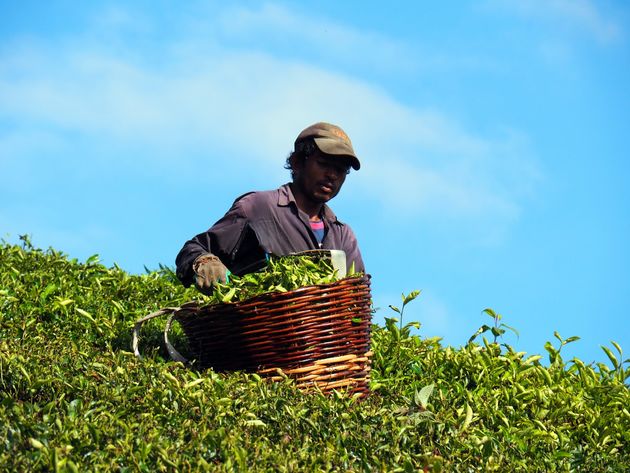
(281,274)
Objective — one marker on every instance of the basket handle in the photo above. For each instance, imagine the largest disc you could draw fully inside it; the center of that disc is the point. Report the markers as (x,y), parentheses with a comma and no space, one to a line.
(174,354)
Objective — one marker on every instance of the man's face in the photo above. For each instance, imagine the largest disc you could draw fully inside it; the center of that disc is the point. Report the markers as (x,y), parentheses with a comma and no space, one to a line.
(321,176)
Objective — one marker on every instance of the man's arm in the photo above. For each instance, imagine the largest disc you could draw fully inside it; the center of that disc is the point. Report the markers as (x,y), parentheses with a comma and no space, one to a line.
(220,240)
(192,249)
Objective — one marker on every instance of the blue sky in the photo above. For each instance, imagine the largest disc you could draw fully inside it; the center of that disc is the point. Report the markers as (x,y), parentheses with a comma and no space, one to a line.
(493,135)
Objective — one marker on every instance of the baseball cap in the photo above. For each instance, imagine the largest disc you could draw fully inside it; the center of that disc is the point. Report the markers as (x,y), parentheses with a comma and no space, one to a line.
(332,140)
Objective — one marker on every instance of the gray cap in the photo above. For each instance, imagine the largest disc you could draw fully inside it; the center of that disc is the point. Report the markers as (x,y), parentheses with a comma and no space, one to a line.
(332,140)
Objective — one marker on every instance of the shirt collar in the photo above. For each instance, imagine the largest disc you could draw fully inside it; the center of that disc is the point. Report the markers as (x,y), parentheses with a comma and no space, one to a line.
(285,198)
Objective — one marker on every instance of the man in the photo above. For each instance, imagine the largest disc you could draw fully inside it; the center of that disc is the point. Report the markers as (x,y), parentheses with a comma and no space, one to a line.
(290,219)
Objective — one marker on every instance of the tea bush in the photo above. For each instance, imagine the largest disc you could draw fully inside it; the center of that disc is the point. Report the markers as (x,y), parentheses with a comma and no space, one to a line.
(74,398)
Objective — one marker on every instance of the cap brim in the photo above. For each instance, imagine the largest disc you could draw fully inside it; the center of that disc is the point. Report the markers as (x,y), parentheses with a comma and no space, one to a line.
(338,148)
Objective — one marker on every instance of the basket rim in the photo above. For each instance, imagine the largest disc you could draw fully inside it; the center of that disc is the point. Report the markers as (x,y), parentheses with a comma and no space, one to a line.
(196,307)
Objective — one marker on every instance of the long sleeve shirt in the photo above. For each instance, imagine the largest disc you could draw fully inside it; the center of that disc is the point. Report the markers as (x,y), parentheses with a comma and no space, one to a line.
(261,223)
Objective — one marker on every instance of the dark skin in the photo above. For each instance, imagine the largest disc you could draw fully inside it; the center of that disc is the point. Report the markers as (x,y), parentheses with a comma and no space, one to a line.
(317,180)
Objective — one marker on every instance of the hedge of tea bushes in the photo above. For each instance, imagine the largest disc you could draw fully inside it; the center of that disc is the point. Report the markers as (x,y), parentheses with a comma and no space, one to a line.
(73,397)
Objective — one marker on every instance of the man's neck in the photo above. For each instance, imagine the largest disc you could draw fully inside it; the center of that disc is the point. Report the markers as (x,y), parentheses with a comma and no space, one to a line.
(310,208)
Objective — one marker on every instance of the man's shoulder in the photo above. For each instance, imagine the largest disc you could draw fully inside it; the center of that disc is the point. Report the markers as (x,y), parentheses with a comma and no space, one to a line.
(259,199)
(258,196)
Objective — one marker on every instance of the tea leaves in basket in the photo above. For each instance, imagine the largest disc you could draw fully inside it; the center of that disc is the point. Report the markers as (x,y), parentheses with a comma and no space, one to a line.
(281,274)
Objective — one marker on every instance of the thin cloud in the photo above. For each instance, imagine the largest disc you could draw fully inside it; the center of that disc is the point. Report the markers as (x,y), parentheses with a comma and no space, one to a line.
(277,25)
(581,15)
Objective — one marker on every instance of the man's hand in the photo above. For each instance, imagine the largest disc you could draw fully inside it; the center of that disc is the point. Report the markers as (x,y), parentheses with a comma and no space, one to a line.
(208,270)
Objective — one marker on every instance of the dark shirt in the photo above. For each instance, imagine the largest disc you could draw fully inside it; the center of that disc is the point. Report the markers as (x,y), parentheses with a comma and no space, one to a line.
(261,223)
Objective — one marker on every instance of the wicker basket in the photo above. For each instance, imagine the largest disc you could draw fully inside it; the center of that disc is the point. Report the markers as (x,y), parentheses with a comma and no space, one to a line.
(317,335)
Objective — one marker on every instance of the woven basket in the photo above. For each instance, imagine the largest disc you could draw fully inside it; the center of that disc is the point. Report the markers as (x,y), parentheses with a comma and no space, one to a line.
(317,335)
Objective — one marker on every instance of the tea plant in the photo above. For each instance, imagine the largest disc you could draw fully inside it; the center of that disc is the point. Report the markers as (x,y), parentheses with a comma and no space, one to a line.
(406,299)
(497,329)
(74,398)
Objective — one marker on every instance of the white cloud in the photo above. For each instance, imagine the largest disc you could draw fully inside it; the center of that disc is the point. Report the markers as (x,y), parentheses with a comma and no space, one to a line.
(584,15)
(204,95)
(413,189)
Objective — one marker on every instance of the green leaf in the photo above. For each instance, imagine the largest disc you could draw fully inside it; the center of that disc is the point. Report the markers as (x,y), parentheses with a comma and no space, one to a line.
(512,329)
(50,288)
(410,297)
(492,314)
(256,423)
(394,308)
(467,419)
(611,357)
(546,375)
(562,454)
(421,397)
(229,295)
(553,353)
(484,328)
(497,332)
(86,314)
(193,383)
(94,259)
(532,359)
(36,443)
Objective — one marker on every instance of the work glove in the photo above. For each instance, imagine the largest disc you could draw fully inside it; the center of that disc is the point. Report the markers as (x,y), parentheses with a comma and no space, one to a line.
(208,270)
